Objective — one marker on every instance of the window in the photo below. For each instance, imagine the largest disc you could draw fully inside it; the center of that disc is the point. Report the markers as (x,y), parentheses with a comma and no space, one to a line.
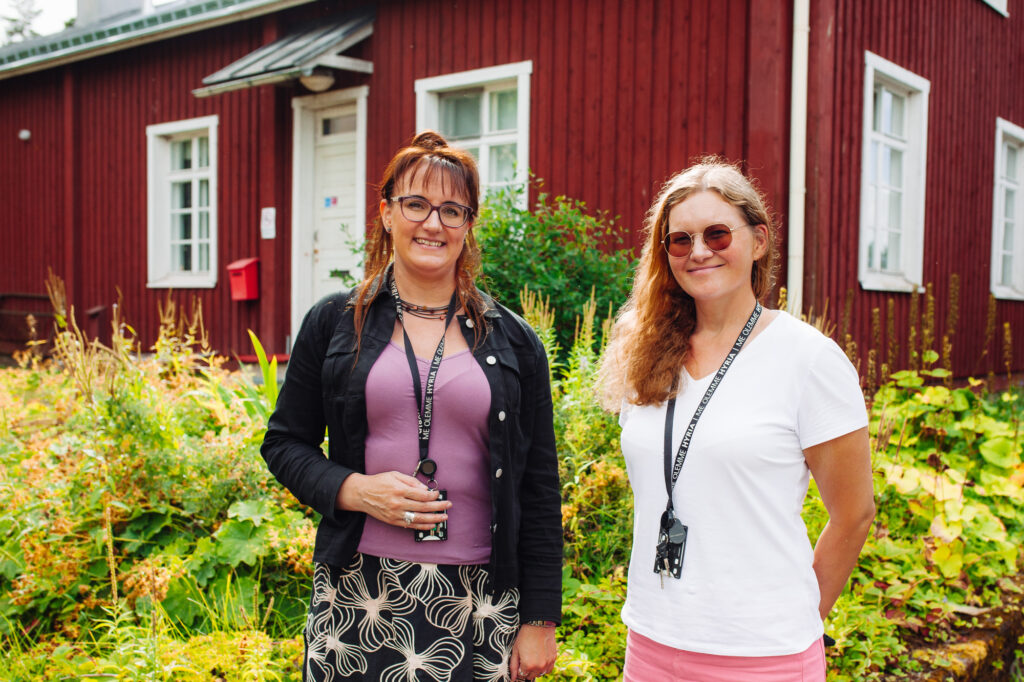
(893,177)
(182,203)
(485,111)
(1008,213)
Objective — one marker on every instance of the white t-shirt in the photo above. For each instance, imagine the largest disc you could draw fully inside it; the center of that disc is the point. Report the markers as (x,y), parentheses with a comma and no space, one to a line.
(747,586)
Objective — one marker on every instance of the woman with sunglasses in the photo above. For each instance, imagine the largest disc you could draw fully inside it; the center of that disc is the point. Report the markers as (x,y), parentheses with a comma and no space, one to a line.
(726,408)
(438,553)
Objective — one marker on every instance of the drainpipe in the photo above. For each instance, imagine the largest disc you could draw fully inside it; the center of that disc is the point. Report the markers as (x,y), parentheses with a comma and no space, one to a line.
(798,156)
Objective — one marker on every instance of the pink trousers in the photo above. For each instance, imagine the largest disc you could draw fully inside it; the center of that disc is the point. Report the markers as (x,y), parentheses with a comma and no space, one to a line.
(649,661)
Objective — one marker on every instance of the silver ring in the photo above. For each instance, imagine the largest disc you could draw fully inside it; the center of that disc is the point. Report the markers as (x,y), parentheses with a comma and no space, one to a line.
(409,517)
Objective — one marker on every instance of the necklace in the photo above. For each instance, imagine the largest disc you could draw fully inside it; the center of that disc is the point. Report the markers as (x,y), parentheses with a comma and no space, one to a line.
(426,312)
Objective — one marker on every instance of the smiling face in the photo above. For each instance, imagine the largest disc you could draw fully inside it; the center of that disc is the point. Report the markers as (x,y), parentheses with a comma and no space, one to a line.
(707,275)
(427,251)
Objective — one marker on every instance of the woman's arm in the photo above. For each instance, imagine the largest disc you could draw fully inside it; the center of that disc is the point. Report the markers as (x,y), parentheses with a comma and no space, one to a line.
(842,469)
(540,534)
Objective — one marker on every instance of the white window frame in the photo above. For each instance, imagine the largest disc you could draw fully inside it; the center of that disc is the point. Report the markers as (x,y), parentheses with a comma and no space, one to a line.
(998,5)
(1014,134)
(158,162)
(909,272)
(428,106)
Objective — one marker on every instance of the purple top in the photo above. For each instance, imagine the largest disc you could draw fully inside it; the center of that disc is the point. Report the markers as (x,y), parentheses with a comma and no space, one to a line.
(458,443)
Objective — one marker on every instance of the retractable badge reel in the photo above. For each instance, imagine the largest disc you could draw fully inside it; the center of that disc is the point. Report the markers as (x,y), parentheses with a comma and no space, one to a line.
(439,532)
(671,546)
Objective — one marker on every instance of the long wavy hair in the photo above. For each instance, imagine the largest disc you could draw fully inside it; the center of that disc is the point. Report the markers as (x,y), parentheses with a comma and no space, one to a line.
(650,340)
(430,155)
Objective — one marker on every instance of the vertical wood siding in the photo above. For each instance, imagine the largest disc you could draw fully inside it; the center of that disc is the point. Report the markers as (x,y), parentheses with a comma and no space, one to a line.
(75,196)
(623,94)
(974,60)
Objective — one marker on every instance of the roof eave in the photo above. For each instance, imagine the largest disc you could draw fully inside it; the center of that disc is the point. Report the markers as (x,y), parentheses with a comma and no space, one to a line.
(158,33)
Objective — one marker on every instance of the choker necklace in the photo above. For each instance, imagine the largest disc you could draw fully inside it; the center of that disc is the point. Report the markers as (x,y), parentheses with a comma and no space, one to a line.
(426,312)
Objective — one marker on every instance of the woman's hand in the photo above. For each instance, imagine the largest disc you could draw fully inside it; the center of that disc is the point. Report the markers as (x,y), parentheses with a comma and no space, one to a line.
(533,653)
(389,496)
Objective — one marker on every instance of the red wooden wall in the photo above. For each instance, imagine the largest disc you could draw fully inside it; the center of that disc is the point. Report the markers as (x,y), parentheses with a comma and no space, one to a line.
(974,59)
(76,193)
(623,94)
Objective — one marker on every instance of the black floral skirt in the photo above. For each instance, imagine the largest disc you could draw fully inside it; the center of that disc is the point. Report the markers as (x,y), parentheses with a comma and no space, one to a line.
(399,621)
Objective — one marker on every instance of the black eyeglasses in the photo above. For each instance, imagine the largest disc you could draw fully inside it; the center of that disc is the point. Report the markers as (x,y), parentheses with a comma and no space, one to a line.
(716,238)
(417,209)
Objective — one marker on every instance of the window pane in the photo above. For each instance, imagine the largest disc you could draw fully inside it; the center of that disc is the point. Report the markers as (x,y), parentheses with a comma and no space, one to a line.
(895,217)
(883,208)
(460,114)
(876,110)
(204,192)
(873,163)
(503,163)
(181,154)
(871,204)
(1006,279)
(338,124)
(475,151)
(204,257)
(872,265)
(181,194)
(895,118)
(183,226)
(1008,237)
(204,152)
(204,224)
(892,253)
(894,168)
(1009,204)
(183,258)
(1011,161)
(503,110)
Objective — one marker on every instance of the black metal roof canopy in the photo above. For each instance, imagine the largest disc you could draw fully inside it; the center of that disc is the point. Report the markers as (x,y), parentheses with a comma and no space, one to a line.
(297,54)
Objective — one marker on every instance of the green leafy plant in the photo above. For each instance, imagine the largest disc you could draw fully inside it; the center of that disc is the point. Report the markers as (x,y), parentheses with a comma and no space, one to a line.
(558,247)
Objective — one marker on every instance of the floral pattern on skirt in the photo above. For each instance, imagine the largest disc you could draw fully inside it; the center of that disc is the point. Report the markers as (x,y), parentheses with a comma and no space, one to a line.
(400,621)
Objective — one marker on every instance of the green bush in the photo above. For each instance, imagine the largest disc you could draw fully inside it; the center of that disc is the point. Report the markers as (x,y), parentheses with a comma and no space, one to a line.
(557,248)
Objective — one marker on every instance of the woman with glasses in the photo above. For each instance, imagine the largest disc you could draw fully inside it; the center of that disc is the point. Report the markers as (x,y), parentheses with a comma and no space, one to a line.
(726,409)
(438,554)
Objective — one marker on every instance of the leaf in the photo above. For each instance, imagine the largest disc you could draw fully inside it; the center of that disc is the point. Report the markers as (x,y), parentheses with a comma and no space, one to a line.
(943,530)
(941,486)
(929,357)
(948,561)
(240,542)
(256,511)
(1000,451)
(905,481)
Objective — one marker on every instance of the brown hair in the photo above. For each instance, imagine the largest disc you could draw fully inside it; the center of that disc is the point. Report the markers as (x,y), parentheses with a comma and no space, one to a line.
(651,337)
(427,153)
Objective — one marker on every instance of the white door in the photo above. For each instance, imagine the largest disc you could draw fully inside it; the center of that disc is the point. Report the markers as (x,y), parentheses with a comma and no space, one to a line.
(337,229)
(328,196)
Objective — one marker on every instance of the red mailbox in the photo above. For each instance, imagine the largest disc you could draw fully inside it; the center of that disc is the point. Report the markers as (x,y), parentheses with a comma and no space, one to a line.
(245,279)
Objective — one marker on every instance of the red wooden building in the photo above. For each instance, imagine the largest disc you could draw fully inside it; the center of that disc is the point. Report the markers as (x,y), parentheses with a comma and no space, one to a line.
(147,149)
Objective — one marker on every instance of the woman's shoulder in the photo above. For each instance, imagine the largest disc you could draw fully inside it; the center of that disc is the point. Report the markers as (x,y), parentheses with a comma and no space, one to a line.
(792,329)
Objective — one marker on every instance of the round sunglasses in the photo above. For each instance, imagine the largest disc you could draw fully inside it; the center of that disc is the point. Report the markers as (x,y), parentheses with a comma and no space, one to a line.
(716,238)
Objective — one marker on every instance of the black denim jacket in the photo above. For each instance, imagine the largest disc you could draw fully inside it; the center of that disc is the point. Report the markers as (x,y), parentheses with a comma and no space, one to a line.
(325,387)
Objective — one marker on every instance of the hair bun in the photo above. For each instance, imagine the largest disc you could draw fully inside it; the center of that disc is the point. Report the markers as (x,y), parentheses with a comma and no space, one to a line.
(429,140)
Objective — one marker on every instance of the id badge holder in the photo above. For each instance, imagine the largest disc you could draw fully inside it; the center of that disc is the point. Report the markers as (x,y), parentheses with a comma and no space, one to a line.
(671,546)
(439,532)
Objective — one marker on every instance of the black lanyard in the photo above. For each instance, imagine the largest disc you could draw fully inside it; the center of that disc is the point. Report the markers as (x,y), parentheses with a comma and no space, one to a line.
(424,403)
(672,470)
